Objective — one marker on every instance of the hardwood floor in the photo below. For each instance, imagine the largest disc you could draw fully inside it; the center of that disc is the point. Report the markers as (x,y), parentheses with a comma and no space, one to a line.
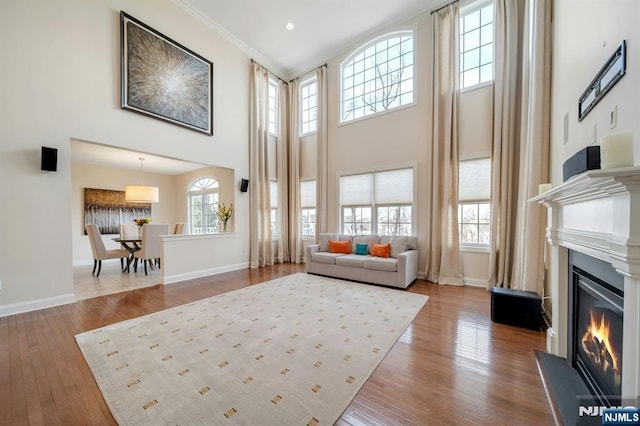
(453,365)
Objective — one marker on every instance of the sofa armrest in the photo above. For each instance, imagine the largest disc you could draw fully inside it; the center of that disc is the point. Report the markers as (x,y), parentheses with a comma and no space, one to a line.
(313,248)
(407,267)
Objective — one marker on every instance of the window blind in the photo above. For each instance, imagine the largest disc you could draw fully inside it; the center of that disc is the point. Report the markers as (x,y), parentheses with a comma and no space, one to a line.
(356,190)
(474,183)
(273,189)
(308,194)
(394,187)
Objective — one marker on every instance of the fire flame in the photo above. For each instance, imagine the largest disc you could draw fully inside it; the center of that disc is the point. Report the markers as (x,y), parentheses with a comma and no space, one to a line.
(596,343)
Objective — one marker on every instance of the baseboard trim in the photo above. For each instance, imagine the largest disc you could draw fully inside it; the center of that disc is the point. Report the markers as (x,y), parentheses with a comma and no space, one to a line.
(35,305)
(172,279)
(475,282)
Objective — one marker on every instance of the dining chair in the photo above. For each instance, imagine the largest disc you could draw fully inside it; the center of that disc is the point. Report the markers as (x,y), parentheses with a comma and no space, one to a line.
(129,231)
(100,252)
(151,247)
(179,229)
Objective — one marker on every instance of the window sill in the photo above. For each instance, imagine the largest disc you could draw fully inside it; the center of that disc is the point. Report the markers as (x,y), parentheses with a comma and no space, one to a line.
(377,114)
(474,249)
(476,87)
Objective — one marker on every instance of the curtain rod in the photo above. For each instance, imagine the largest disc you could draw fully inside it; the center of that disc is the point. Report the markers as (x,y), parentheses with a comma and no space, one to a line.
(269,71)
(283,80)
(311,70)
(442,7)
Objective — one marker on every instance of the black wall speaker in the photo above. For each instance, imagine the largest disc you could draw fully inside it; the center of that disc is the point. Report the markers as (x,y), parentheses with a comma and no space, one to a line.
(244,185)
(49,159)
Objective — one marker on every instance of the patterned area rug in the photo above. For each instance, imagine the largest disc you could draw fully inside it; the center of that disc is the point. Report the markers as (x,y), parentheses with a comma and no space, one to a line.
(294,350)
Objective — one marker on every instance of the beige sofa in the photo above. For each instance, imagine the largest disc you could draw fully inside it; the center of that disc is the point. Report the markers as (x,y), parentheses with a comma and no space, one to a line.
(398,270)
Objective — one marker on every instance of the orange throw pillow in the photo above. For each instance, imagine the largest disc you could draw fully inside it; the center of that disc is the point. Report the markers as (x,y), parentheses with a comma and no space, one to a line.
(340,247)
(381,250)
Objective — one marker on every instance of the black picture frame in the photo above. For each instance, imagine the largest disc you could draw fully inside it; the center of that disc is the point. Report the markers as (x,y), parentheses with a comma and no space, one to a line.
(610,73)
(163,79)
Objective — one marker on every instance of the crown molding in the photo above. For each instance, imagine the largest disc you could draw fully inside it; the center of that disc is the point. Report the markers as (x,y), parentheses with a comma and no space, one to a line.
(250,51)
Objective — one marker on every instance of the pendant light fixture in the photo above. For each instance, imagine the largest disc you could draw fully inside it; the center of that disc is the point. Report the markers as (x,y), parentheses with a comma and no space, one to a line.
(141,193)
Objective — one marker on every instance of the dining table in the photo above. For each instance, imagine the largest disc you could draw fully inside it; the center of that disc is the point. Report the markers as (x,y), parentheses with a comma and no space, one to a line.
(132,245)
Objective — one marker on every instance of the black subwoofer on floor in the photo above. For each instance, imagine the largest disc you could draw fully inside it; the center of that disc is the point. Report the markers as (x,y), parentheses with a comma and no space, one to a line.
(516,307)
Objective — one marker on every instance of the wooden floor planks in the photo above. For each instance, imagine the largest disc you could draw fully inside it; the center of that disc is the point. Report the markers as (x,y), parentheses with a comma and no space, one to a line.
(452,365)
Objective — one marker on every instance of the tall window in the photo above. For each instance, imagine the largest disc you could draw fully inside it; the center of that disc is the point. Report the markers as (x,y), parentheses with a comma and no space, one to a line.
(474,210)
(309,106)
(476,46)
(379,202)
(273,94)
(378,77)
(308,208)
(275,227)
(203,199)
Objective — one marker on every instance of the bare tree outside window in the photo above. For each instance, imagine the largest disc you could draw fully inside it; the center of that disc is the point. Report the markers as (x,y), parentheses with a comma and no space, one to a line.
(378,77)
(385,88)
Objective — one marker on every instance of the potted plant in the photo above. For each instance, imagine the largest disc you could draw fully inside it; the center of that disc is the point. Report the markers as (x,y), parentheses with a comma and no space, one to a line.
(224,213)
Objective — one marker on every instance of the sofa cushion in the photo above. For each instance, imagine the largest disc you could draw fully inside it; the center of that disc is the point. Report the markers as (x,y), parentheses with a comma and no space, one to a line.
(325,257)
(324,238)
(412,243)
(381,263)
(398,245)
(345,237)
(353,260)
(339,247)
(368,239)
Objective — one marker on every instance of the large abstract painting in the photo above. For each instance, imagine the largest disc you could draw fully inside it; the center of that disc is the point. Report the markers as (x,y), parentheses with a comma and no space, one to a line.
(163,79)
(108,209)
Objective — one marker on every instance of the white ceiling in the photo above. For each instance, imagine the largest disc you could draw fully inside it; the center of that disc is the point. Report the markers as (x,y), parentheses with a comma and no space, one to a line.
(323,28)
(110,156)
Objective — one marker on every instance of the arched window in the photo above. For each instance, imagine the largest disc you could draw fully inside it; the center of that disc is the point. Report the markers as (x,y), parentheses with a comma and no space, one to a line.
(203,199)
(378,77)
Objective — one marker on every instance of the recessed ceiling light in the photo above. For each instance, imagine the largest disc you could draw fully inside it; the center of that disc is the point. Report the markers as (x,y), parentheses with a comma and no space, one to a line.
(289,26)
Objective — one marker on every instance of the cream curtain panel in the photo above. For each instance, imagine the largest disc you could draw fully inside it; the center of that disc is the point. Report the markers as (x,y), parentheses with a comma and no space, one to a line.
(504,173)
(443,251)
(322,153)
(534,155)
(295,228)
(520,143)
(282,172)
(261,247)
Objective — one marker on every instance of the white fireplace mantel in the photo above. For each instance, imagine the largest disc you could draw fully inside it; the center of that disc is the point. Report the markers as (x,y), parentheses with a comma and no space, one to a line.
(597,213)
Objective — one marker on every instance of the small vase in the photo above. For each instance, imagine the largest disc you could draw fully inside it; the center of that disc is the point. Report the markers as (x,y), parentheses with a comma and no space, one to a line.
(139,231)
(224,226)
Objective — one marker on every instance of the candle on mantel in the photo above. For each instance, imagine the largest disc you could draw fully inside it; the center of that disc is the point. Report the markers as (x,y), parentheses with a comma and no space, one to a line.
(543,187)
(616,151)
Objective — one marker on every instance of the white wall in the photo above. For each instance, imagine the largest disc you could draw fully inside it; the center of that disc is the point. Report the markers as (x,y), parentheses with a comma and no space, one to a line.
(586,33)
(397,138)
(61,75)
(400,138)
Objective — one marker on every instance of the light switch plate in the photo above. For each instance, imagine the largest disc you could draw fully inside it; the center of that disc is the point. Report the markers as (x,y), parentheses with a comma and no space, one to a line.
(613,117)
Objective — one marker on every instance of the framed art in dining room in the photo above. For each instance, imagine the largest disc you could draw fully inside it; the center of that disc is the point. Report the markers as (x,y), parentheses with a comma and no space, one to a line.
(163,79)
